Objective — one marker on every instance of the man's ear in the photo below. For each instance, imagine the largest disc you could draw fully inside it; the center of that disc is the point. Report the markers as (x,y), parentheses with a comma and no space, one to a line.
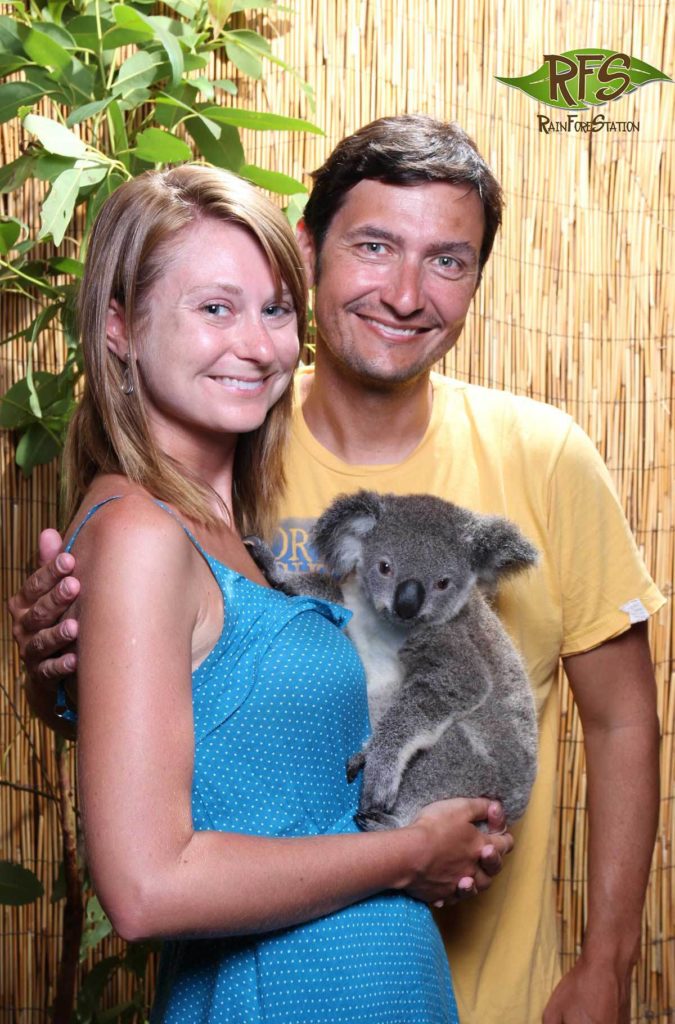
(308,250)
(116,330)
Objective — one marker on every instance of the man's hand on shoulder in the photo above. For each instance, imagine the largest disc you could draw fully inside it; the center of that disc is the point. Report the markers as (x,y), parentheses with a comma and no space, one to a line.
(590,993)
(42,636)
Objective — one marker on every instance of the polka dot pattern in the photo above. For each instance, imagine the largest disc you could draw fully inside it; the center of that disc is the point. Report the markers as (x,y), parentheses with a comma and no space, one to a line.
(279,705)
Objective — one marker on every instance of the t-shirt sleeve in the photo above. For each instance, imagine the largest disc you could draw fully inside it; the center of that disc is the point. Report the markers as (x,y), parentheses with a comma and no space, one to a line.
(604,585)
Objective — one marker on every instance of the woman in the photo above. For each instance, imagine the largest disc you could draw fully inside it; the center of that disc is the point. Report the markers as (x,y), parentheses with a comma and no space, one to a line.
(216,715)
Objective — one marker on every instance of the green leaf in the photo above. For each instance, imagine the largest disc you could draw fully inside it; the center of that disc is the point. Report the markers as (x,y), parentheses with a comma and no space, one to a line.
(48,167)
(219,12)
(59,884)
(45,51)
(172,47)
(15,409)
(226,151)
(18,885)
(252,5)
(54,137)
(57,209)
(118,129)
(244,60)
(205,86)
(138,72)
(566,95)
(159,147)
(67,265)
(10,229)
(226,85)
(85,112)
(12,176)
(17,94)
(173,52)
(295,208)
(10,36)
(95,201)
(92,988)
(78,82)
(84,29)
(186,8)
(132,20)
(56,32)
(96,928)
(251,40)
(258,120)
(36,448)
(10,62)
(274,181)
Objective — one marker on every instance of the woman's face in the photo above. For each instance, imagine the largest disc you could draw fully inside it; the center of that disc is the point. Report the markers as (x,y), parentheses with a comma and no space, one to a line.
(216,349)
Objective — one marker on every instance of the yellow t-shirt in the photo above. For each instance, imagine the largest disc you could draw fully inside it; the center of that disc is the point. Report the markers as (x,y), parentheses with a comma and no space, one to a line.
(498,453)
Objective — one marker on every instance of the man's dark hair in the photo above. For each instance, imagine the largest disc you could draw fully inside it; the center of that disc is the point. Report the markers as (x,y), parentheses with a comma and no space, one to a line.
(405,150)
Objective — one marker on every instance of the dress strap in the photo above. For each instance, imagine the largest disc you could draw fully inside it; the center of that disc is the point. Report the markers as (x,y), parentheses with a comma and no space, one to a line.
(92,511)
(182,525)
(63,707)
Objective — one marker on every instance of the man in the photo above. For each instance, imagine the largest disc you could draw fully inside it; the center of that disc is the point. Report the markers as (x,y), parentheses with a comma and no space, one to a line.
(396,232)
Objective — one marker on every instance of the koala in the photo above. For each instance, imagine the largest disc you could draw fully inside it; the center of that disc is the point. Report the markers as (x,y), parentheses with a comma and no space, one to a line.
(450,703)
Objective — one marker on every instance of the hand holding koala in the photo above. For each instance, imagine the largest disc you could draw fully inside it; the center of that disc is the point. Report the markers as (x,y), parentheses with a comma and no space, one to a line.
(450,704)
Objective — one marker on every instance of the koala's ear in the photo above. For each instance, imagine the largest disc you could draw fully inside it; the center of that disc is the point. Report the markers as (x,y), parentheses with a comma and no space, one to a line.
(498,548)
(338,533)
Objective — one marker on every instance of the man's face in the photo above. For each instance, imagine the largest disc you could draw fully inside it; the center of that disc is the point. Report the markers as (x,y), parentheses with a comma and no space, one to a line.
(398,270)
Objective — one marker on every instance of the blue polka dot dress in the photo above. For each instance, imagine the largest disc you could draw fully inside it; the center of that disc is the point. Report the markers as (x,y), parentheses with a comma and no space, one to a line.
(279,705)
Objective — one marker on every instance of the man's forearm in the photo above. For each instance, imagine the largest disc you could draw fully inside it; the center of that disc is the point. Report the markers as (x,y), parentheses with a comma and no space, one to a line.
(614,689)
(623,805)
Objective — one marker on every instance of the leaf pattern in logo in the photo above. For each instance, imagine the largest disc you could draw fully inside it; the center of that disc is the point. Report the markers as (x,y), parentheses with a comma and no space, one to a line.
(595,90)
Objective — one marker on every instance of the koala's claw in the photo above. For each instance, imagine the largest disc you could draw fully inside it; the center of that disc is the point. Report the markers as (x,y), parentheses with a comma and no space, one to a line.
(263,557)
(374,820)
(355,764)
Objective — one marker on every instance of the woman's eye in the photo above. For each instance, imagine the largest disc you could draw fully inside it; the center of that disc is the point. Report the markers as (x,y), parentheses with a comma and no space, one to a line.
(215,308)
(276,310)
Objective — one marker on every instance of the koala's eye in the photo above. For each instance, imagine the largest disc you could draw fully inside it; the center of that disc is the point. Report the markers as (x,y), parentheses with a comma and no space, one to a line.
(442,584)
(385,567)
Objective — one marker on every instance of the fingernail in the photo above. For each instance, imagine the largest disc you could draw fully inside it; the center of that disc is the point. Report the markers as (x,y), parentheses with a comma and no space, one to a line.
(488,851)
(69,663)
(62,563)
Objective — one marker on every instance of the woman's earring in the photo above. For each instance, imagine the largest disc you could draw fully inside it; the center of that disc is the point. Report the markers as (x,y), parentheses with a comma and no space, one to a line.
(127,385)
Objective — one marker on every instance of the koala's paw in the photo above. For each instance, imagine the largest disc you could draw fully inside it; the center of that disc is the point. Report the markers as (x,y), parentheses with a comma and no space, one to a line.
(379,794)
(375,821)
(263,558)
(355,764)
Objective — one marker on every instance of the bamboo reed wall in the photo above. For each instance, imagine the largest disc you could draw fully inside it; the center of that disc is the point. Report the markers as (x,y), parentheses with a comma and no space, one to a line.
(576,308)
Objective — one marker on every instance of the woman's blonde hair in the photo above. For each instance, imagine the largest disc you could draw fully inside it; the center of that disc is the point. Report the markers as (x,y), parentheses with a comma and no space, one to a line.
(128,250)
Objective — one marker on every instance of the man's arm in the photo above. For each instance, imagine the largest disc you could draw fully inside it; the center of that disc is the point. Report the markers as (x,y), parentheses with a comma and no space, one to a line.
(613,686)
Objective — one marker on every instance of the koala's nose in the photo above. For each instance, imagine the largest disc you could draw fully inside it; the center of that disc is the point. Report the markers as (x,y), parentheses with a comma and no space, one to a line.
(408,598)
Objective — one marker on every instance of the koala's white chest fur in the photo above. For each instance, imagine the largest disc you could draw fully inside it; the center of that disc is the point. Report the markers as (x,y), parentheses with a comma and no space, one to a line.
(378,643)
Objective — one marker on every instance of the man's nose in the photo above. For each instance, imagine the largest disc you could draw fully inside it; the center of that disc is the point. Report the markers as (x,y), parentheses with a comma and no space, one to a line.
(403,290)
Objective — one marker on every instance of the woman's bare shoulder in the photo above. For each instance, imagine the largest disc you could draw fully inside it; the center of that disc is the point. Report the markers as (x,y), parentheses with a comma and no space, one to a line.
(121,524)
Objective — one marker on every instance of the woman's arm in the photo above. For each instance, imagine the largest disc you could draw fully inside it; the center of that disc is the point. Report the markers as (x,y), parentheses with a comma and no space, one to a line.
(142,600)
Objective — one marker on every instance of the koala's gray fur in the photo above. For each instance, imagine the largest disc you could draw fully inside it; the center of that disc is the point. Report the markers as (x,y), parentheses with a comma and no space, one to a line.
(450,704)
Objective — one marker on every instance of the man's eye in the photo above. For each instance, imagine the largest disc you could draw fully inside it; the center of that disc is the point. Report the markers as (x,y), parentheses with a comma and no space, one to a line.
(373,248)
(447,262)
